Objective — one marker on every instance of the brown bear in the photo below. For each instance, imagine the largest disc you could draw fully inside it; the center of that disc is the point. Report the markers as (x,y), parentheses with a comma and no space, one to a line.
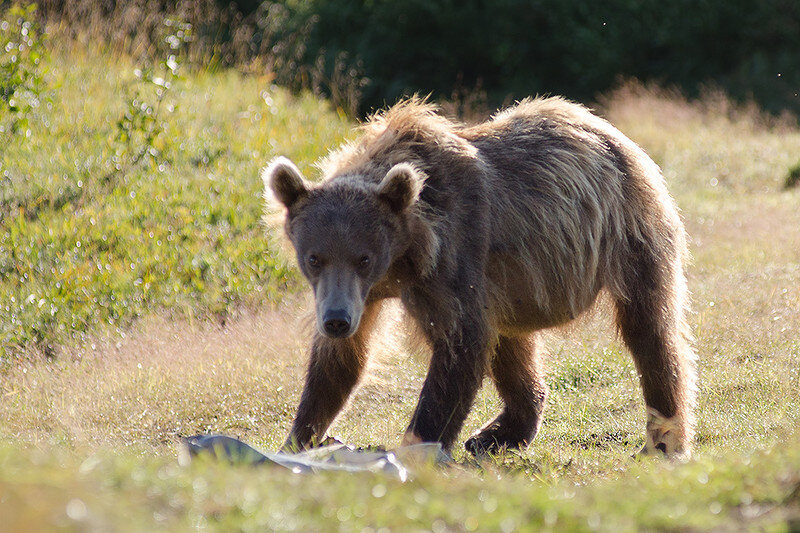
(487,234)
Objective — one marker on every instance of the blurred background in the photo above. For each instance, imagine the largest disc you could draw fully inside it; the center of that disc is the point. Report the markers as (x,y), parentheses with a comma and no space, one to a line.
(366,54)
(107,105)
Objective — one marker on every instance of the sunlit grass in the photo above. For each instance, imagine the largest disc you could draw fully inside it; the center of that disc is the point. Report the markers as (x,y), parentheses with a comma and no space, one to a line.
(100,490)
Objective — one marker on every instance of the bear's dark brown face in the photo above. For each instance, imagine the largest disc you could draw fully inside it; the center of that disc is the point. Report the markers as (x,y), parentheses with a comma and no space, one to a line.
(346,234)
(343,249)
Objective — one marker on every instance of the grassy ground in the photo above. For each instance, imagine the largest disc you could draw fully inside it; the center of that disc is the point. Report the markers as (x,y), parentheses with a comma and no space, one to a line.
(178,314)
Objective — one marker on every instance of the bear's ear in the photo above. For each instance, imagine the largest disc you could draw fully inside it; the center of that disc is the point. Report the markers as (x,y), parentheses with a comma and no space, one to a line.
(283,180)
(400,187)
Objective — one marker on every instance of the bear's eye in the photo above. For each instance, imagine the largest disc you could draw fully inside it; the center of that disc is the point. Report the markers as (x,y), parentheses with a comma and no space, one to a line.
(313,261)
(363,263)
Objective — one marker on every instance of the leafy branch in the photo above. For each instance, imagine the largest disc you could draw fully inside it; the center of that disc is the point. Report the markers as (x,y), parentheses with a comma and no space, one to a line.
(139,136)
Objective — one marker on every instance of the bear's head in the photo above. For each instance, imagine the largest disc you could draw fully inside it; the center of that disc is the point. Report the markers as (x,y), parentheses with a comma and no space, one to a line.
(347,232)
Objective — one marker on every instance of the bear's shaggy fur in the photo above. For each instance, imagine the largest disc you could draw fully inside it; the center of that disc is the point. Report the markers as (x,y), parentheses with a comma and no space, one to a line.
(488,234)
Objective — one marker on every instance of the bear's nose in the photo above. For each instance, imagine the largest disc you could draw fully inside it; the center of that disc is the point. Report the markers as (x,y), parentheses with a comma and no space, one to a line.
(337,323)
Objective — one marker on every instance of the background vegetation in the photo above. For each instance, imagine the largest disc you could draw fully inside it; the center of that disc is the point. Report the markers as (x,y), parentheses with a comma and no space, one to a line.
(117,198)
(513,48)
(365,54)
(142,298)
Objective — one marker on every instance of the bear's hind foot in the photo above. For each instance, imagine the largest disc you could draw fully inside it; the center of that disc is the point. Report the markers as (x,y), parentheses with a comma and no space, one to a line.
(493,440)
(667,437)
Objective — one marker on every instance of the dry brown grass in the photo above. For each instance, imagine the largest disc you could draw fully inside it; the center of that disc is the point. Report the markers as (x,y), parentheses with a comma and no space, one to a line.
(706,147)
(164,379)
(160,380)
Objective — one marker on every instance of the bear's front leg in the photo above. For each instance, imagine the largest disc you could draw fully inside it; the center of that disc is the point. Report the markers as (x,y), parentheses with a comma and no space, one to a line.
(456,370)
(334,369)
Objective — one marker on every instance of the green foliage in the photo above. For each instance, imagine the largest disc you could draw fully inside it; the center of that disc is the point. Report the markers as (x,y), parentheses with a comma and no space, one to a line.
(516,48)
(92,237)
(121,253)
(22,51)
(366,54)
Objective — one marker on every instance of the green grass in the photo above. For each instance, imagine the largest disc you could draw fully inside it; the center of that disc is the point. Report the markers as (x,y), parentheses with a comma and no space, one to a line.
(728,492)
(171,246)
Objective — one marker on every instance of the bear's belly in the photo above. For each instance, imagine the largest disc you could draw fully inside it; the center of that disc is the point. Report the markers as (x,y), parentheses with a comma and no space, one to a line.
(521,313)
(530,319)
(522,302)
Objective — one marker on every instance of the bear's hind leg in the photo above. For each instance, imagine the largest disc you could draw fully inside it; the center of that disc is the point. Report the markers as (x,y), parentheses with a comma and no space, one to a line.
(519,379)
(653,327)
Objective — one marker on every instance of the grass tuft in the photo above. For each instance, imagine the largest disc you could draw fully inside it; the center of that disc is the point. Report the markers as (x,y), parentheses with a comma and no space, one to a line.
(793,178)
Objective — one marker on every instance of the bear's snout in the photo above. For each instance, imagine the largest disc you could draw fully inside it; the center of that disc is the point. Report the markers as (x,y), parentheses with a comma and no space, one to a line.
(336,323)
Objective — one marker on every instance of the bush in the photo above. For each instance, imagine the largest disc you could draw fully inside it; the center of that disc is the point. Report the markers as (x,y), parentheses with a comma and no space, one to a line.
(21,54)
(515,48)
